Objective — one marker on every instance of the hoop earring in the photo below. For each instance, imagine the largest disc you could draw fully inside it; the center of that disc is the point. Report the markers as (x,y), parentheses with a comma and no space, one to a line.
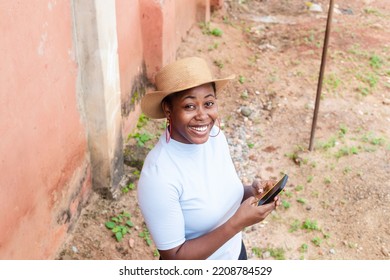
(219,126)
(168,131)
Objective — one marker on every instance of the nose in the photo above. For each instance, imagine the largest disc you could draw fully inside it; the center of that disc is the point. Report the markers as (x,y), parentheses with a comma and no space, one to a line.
(201,114)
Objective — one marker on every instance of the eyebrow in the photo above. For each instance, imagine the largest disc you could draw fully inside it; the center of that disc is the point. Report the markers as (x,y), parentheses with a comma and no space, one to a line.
(193,97)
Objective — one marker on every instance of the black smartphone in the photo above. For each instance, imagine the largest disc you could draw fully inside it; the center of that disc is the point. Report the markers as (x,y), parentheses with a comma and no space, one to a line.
(274,191)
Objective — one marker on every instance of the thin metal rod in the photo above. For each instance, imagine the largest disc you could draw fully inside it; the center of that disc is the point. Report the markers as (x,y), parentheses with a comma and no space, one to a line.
(321,76)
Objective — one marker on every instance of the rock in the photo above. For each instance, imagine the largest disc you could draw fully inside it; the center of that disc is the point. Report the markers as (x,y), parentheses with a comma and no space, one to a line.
(267,47)
(131,242)
(314,7)
(332,251)
(245,111)
(386,101)
(266,255)
(74,249)
(385,252)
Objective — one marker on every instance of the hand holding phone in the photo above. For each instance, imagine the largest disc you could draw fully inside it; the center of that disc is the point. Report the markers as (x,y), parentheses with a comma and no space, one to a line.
(269,195)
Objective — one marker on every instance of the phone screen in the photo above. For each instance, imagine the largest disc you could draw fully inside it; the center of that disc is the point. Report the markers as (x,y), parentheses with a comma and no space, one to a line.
(274,191)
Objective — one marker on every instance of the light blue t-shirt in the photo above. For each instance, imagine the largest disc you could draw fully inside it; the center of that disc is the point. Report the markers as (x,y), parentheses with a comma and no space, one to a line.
(187,190)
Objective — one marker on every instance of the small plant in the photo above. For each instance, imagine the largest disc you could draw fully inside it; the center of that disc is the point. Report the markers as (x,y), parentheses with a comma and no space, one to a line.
(218,63)
(277,253)
(285,204)
(206,29)
(251,145)
(343,130)
(142,138)
(120,225)
(136,173)
(287,193)
(327,181)
(129,187)
(216,32)
(376,62)
(299,188)
(317,241)
(310,225)
(304,247)
(146,236)
(301,200)
(294,226)
(310,178)
(241,79)
(257,251)
(329,144)
(346,170)
(142,121)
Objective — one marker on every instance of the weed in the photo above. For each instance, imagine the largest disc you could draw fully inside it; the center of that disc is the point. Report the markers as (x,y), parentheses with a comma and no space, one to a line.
(299,188)
(343,130)
(304,247)
(346,151)
(309,178)
(136,173)
(214,46)
(241,79)
(294,226)
(376,62)
(141,138)
(372,11)
(120,225)
(146,236)
(372,139)
(216,32)
(129,187)
(327,181)
(310,225)
(142,121)
(301,200)
(251,145)
(287,193)
(277,253)
(156,253)
(346,170)
(257,251)
(218,63)
(285,204)
(332,82)
(244,95)
(206,29)
(317,241)
(328,144)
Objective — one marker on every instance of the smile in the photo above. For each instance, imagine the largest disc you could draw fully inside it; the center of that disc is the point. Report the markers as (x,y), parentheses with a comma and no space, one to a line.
(199,128)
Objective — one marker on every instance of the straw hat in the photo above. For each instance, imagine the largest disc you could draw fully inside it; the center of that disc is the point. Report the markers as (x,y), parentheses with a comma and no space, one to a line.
(180,75)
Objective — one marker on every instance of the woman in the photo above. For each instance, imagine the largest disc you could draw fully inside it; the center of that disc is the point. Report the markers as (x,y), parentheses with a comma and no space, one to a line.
(192,200)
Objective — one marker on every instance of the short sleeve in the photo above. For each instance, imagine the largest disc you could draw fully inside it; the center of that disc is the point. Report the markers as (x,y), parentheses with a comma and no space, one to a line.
(158,198)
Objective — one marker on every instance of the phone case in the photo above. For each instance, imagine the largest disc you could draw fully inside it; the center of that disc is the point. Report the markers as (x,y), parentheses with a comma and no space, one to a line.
(274,191)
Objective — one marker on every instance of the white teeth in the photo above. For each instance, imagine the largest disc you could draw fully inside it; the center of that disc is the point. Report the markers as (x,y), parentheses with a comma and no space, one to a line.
(199,128)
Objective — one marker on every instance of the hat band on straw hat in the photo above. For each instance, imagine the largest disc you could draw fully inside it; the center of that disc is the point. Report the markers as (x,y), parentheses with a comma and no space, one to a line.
(178,76)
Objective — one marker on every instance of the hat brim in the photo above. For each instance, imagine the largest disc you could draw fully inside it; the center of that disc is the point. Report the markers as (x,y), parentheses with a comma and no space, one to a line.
(151,102)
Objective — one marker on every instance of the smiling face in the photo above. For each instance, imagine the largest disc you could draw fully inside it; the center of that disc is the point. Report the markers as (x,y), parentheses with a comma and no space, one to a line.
(192,113)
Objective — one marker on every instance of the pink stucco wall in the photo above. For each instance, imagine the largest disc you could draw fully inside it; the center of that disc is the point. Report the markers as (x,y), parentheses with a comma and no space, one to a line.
(45,163)
(44,170)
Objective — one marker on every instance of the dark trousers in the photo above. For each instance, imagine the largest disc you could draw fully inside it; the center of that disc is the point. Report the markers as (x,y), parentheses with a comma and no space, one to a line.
(243,255)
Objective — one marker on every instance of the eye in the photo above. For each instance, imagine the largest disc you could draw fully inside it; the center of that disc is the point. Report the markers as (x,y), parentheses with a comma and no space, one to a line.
(189,106)
(209,103)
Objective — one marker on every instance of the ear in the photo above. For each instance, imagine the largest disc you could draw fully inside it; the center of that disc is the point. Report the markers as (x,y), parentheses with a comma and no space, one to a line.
(167,108)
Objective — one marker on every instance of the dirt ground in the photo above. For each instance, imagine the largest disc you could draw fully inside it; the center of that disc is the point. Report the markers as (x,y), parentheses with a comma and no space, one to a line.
(337,202)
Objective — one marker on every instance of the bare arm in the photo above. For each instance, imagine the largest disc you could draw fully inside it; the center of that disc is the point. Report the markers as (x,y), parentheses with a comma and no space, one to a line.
(205,245)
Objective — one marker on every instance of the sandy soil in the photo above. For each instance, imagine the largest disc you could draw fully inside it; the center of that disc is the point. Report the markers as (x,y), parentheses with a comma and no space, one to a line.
(336,204)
